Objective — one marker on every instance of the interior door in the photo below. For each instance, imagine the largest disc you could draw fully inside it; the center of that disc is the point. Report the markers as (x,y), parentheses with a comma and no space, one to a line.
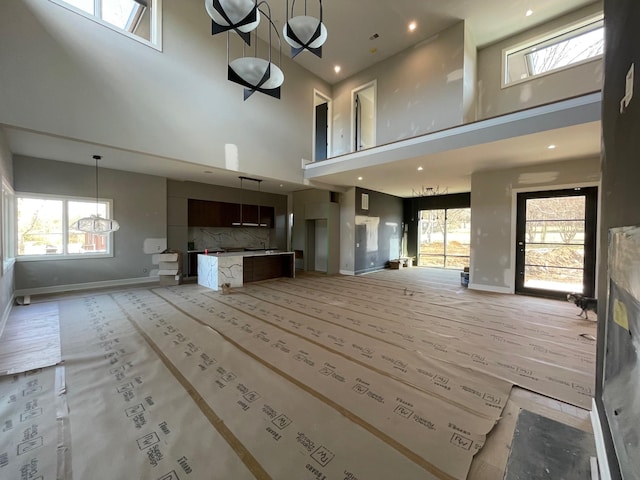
(556,242)
(322,126)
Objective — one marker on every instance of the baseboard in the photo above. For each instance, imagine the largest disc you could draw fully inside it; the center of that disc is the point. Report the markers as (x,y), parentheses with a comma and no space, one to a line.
(347,272)
(489,288)
(84,286)
(6,313)
(603,462)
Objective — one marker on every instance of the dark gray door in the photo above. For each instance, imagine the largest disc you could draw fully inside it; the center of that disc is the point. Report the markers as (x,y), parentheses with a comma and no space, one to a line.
(322,126)
(555,242)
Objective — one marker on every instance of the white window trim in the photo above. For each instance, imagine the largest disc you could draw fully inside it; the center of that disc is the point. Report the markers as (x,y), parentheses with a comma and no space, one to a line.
(8,257)
(543,38)
(374,84)
(65,234)
(155,28)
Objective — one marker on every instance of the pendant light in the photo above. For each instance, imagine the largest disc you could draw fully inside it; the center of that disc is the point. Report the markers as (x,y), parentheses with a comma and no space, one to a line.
(95,224)
(257,74)
(304,32)
(241,16)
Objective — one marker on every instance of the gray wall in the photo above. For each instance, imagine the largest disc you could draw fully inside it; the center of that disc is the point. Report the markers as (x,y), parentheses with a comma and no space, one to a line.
(302,201)
(420,90)
(378,230)
(139,205)
(618,395)
(495,100)
(67,75)
(178,194)
(347,231)
(6,281)
(492,214)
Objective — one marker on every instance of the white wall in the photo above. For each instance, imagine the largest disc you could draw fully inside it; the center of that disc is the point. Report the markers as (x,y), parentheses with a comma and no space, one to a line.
(493,220)
(419,90)
(66,75)
(495,100)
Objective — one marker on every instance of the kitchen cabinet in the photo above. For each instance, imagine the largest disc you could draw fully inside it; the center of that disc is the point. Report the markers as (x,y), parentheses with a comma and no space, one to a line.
(207,213)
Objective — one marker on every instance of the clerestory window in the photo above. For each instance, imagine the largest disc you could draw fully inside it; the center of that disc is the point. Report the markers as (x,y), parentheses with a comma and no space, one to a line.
(561,49)
(139,19)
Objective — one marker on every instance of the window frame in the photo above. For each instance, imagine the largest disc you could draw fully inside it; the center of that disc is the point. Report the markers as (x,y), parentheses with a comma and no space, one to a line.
(65,233)
(155,31)
(7,213)
(558,35)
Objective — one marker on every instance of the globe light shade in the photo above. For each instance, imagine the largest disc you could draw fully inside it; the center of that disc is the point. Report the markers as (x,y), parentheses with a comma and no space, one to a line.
(96,225)
(241,15)
(256,75)
(304,27)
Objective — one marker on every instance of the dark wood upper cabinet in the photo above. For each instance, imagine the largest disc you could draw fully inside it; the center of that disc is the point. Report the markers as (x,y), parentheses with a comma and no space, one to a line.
(206,213)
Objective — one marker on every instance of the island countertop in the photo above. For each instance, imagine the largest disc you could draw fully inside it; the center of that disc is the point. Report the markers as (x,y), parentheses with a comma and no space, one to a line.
(248,253)
(237,268)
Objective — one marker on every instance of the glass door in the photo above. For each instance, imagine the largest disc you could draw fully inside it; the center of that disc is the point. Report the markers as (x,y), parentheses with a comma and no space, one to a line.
(444,238)
(555,242)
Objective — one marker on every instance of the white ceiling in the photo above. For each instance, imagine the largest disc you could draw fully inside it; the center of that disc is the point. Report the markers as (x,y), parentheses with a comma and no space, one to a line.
(350,24)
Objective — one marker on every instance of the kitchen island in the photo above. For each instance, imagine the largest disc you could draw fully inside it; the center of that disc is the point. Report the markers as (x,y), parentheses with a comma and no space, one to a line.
(238,268)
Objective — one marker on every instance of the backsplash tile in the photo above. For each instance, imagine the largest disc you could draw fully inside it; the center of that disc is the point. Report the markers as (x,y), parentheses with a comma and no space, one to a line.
(225,238)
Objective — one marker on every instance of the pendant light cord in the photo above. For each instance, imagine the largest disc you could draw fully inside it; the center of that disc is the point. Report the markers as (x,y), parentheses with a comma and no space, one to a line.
(96,158)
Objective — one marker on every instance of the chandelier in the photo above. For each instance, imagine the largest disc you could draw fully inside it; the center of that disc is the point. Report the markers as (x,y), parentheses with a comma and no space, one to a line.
(95,224)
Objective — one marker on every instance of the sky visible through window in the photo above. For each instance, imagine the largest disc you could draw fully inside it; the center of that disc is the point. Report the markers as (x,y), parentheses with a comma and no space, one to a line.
(118,12)
(115,12)
(567,52)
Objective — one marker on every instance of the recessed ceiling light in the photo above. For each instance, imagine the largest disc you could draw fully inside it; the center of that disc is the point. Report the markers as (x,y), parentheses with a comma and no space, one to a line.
(420,169)
(551,147)
(412,26)
(359,178)
(337,69)
(529,13)
(281,185)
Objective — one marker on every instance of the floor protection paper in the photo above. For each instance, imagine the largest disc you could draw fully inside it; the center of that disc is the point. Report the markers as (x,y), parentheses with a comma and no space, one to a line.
(545,367)
(428,433)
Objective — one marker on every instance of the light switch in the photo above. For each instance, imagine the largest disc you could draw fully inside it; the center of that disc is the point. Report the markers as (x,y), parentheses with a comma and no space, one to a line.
(628,89)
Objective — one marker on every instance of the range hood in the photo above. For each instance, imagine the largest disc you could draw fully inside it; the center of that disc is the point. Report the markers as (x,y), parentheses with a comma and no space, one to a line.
(242,223)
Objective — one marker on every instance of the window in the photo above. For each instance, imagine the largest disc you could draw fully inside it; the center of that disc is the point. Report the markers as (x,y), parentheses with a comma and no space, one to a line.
(444,238)
(562,49)
(44,227)
(138,18)
(8,208)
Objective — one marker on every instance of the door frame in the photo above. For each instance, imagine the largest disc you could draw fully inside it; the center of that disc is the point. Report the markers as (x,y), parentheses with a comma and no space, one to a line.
(372,84)
(590,274)
(318,94)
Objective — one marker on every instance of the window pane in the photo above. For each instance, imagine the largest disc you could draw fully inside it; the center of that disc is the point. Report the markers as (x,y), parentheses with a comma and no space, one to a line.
(560,49)
(458,246)
(40,229)
(120,13)
(81,242)
(84,5)
(567,52)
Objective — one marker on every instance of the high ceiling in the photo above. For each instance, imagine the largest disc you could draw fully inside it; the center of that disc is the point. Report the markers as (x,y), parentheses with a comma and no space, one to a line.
(350,24)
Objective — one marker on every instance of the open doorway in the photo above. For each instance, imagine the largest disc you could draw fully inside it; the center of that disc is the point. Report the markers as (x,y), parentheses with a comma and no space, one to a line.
(556,242)
(321,126)
(363,116)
